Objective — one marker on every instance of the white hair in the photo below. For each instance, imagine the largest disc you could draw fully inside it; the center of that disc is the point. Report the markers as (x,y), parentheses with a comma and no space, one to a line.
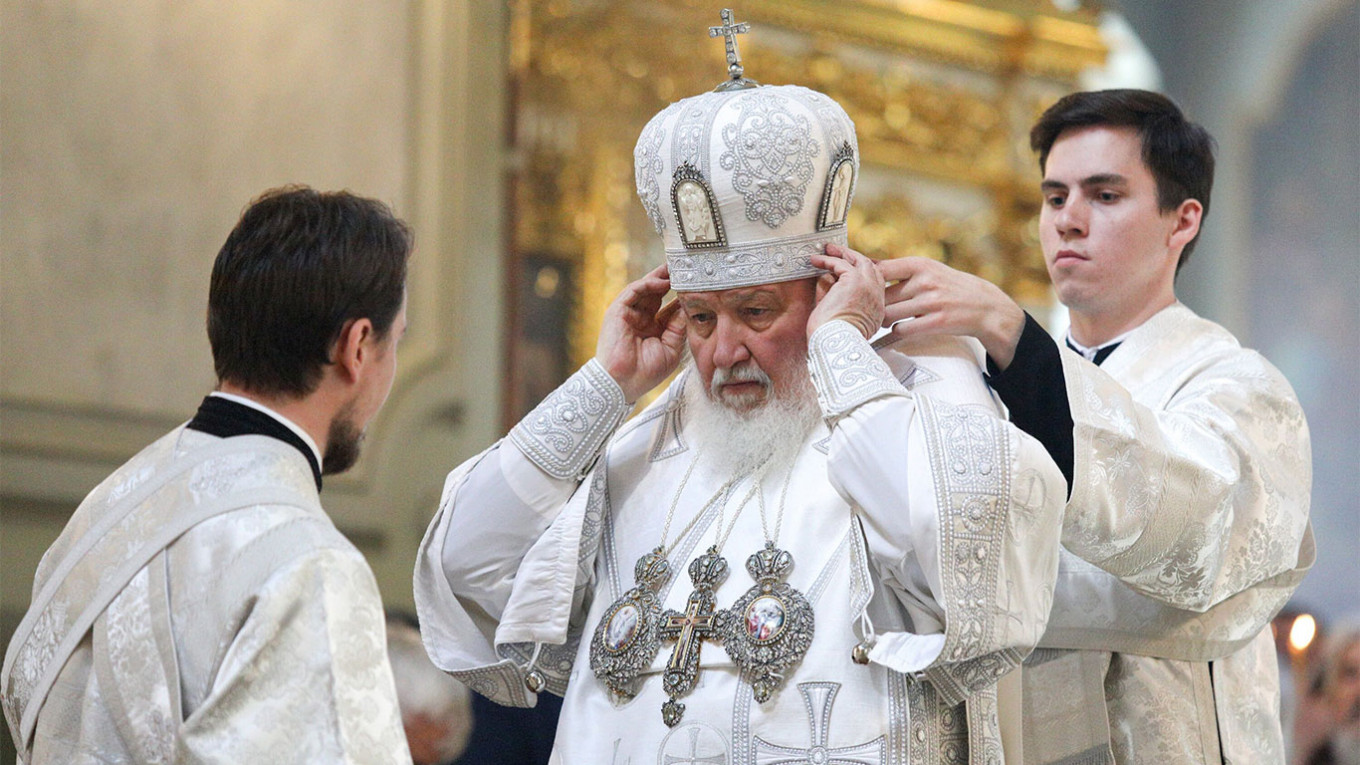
(772,431)
(423,690)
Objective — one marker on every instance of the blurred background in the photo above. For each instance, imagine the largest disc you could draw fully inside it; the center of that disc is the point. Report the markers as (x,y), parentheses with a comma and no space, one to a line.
(133,133)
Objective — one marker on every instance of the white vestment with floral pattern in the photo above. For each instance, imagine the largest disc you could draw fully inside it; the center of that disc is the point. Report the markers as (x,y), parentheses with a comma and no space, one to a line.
(1186,532)
(918,520)
(201,607)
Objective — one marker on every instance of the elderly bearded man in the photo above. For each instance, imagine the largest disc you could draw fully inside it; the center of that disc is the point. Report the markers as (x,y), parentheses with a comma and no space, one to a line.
(899,538)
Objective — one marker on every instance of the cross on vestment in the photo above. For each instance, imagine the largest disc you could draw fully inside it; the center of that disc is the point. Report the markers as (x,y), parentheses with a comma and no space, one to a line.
(729,31)
(818,698)
(713,755)
(699,622)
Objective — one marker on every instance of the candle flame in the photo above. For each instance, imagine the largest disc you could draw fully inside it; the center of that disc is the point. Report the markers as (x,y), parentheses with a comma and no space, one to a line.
(1302,632)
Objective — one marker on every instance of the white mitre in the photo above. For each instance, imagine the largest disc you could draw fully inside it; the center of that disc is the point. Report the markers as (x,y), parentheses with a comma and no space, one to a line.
(745,183)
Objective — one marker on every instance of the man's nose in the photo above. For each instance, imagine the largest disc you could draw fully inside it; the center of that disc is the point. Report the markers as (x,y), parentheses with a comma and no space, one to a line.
(1073,218)
(730,344)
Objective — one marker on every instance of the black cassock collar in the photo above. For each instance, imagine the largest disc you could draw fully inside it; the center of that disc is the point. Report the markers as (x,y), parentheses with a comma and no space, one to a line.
(1101,354)
(225,418)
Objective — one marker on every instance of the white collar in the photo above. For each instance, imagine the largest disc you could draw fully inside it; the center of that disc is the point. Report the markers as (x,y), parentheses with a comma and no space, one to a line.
(1090,353)
(253,404)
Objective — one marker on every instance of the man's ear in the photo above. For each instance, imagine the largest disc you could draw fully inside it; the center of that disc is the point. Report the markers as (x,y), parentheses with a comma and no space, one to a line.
(1187,217)
(353,348)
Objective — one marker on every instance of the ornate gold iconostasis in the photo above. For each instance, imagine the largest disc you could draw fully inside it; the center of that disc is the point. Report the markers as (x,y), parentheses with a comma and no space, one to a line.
(942,94)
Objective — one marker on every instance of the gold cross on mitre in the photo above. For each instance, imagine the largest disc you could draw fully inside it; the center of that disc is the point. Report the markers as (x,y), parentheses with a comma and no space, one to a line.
(729,31)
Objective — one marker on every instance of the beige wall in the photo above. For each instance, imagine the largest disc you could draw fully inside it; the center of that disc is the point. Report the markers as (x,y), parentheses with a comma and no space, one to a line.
(132,134)
(1276,85)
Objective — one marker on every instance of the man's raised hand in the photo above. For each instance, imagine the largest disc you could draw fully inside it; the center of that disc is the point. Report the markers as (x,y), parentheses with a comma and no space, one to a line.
(940,300)
(641,341)
(852,290)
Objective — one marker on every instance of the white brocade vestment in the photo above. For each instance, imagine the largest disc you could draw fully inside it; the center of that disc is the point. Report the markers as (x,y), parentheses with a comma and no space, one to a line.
(919,521)
(200,607)
(1186,532)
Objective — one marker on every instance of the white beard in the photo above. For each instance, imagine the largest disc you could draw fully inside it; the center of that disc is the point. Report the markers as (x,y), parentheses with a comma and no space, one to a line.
(772,432)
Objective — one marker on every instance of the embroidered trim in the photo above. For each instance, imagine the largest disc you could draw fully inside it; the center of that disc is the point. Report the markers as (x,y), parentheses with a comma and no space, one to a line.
(670,440)
(917,376)
(770,152)
(846,371)
(767,262)
(564,434)
(694,128)
(77,591)
(939,731)
(554,663)
(128,660)
(502,682)
(592,531)
(899,731)
(819,585)
(959,681)
(983,728)
(818,700)
(969,460)
(648,165)
(861,582)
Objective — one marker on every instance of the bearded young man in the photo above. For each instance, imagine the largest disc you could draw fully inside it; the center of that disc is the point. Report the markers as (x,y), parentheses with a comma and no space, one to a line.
(1188,455)
(200,606)
(899,538)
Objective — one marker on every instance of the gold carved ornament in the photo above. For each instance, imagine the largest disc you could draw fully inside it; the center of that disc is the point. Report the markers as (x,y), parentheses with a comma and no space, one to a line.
(942,94)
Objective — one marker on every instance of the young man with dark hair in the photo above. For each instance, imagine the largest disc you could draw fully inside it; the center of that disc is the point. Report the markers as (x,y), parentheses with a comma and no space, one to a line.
(1187,456)
(1178,153)
(200,605)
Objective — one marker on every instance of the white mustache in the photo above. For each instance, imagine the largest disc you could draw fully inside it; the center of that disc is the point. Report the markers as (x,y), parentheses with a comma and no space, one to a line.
(746,371)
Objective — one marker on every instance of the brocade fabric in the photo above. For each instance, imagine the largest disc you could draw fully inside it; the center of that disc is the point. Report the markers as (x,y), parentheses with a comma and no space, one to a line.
(256,636)
(919,522)
(1186,531)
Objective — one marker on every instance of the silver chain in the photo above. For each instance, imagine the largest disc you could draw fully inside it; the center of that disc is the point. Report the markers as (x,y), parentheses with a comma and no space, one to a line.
(779,519)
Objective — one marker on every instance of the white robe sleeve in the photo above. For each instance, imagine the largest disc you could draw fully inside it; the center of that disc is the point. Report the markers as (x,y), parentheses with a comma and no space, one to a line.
(960,510)
(504,520)
(306,678)
(500,502)
(504,503)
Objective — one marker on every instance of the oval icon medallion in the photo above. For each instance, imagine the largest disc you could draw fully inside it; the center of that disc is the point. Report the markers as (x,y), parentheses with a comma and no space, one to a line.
(623,626)
(765,618)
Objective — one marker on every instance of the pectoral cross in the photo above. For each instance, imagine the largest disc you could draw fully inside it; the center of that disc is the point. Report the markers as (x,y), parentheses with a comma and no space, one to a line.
(699,622)
(729,31)
(688,630)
